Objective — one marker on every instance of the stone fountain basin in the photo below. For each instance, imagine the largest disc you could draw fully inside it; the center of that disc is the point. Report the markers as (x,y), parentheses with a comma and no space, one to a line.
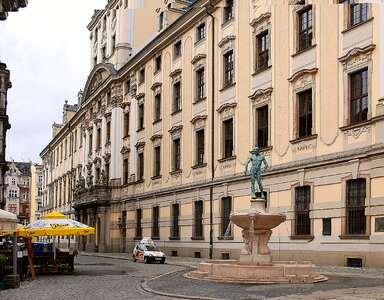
(261,220)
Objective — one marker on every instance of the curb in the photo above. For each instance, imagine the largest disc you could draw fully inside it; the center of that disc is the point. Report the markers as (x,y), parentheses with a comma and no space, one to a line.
(146,288)
(169,262)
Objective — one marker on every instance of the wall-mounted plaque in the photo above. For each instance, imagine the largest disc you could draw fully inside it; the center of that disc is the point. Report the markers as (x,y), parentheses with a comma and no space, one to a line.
(379,224)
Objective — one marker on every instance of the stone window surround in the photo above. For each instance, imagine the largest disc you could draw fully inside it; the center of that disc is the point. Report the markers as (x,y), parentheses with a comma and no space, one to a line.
(197,25)
(355,174)
(193,219)
(197,68)
(176,133)
(260,25)
(355,60)
(156,142)
(225,195)
(302,183)
(177,40)
(227,111)
(261,98)
(302,81)
(227,44)
(346,17)
(297,9)
(198,123)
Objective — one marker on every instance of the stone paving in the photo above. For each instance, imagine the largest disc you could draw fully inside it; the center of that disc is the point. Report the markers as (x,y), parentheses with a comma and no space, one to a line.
(115,276)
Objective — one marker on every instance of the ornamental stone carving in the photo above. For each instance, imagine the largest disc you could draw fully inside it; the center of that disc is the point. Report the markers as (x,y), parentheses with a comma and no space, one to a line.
(261,96)
(357,132)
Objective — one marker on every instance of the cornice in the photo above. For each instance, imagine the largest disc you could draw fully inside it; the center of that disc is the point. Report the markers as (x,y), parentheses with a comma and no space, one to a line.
(198,57)
(260,19)
(261,92)
(155,137)
(225,106)
(155,85)
(175,128)
(139,144)
(355,52)
(198,118)
(175,73)
(226,39)
(301,73)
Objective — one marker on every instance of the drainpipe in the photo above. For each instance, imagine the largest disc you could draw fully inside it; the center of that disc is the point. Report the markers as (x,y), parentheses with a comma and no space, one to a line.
(212,134)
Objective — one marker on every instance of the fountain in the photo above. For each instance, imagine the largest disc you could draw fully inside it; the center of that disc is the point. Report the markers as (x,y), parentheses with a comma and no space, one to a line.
(255,263)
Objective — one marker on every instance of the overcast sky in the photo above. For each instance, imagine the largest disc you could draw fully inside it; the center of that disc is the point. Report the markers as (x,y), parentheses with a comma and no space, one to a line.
(46,47)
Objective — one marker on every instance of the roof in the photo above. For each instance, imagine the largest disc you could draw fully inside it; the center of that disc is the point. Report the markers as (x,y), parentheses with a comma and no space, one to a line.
(24,168)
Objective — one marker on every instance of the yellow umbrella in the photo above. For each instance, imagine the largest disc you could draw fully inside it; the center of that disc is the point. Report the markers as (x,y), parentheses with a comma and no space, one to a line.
(53,224)
(19,228)
(56,224)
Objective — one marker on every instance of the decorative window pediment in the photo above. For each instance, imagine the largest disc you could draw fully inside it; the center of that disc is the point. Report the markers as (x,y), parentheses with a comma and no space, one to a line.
(175,131)
(261,96)
(303,79)
(226,40)
(198,122)
(261,23)
(356,57)
(198,57)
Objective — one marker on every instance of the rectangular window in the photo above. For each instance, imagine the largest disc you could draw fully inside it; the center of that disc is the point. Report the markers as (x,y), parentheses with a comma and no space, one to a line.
(200,148)
(302,209)
(355,205)
(262,127)
(327,226)
(157,170)
(113,43)
(158,63)
(75,140)
(98,138)
(141,117)
(228,138)
(305,28)
(107,172)
(358,86)
(126,124)
(177,49)
(200,84)
(109,95)
(228,10)
(90,144)
(157,108)
(200,32)
(140,171)
(358,13)
(262,50)
(108,132)
(176,154)
(228,68)
(177,97)
(161,21)
(138,224)
(155,222)
(305,114)
(226,208)
(65,149)
(125,171)
(198,219)
(127,87)
(141,76)
(104,53)
(175,221)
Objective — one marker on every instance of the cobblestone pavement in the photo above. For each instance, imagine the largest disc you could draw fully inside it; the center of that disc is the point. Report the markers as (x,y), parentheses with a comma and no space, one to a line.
(95,278)
(115,276)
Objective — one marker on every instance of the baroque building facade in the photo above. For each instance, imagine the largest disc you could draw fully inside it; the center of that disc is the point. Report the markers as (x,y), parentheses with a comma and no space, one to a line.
(158,142)
(17,190)
(36,203)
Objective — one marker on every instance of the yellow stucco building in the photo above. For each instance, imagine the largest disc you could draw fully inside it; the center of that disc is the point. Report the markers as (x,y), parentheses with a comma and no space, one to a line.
(180,91)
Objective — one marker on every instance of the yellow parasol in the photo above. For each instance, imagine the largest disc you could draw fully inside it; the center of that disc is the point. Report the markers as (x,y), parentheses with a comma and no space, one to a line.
(55,224)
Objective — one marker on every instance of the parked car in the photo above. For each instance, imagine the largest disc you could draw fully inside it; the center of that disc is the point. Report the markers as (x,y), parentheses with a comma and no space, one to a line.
(146,250)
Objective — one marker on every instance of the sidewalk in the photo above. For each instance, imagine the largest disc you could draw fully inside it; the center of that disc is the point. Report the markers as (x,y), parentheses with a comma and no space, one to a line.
(343,284)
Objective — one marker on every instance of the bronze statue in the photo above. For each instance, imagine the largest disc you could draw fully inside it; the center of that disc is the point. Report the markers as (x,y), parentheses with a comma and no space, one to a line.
(255,172)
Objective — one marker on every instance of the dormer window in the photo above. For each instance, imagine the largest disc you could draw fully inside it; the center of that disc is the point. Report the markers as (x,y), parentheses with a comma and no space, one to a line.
(161,21)
(177,49)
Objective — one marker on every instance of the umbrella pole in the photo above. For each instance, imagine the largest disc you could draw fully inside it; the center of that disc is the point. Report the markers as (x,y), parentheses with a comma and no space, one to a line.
(29,248)
(15,253)
(54,249)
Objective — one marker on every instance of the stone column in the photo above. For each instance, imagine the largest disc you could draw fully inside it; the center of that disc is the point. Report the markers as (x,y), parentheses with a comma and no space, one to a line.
(81,239)
(102,213)
(90,238)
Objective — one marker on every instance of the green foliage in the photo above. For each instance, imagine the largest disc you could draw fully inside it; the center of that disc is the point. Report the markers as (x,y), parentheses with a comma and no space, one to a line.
(3,259)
